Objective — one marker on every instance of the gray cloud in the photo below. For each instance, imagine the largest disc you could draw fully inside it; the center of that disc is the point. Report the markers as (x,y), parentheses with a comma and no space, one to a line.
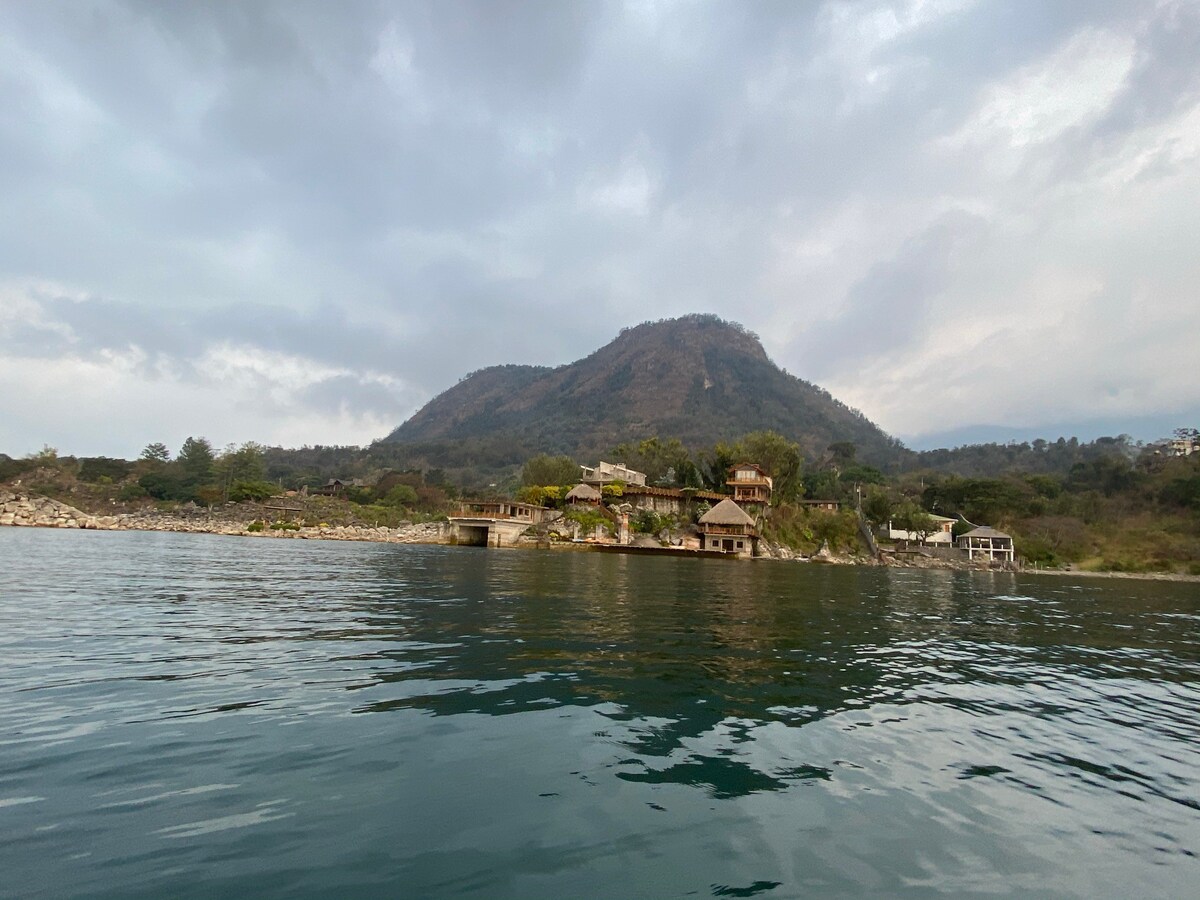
(890,306)
(398,194)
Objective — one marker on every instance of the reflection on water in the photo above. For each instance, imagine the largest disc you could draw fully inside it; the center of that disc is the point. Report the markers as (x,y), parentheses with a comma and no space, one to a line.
(188,715)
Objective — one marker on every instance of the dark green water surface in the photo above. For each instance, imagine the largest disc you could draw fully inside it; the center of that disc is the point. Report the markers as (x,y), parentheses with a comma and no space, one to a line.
(201,716)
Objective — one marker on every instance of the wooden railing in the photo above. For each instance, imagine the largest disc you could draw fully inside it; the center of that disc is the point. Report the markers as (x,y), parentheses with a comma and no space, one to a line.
(466,512)
(738,530)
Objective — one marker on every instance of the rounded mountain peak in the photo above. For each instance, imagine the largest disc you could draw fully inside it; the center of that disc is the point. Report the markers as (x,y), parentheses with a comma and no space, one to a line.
(691,332)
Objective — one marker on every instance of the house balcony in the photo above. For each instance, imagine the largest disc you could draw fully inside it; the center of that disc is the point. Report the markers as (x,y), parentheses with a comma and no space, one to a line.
(737,530)
(498,511)
(751,493)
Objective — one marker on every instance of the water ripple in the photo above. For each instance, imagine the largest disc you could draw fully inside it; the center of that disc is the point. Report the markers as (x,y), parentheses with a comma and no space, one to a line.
(191,715)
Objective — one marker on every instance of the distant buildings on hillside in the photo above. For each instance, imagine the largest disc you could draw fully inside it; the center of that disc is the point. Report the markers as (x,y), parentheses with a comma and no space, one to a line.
(607,473)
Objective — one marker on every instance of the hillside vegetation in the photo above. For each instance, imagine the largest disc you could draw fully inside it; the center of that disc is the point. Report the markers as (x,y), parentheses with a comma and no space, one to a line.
(697,379)
(1104,505)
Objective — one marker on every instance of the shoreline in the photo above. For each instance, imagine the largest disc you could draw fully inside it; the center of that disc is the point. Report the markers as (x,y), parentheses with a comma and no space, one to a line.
(382,535)
(22,511)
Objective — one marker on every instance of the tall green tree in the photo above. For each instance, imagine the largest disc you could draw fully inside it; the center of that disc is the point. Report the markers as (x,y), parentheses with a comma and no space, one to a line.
(544,469)
(156,453)
(779,457)
(878,506)
(195,464)
(666,463)
(716,463)
(244,463)
(908,516)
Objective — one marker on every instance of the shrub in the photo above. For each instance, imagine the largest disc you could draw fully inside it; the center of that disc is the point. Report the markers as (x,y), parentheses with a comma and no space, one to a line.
(647,521)
(1036,549)
(361,495)
(588,519)
(400,495)
(806,529)
(240,491)
(255,526)
(1053,540)
(131,490)
(96,468)
(1123,565)
(1182,492)
(544,469)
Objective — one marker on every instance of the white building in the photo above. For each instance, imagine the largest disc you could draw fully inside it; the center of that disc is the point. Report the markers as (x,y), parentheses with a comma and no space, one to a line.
(942,535)
(1184,446)
(606,473)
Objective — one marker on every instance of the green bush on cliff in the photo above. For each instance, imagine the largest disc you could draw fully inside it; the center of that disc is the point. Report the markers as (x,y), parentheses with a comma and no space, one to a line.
(588,520)
(806,529)
(131,490)
(647,521)
(241,491)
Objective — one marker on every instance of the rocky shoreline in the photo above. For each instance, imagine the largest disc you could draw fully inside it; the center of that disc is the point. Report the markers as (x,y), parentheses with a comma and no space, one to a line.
(43,512)
(23,510)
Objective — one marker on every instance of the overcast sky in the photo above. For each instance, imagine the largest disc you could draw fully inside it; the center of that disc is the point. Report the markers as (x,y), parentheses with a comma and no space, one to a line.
(295,223)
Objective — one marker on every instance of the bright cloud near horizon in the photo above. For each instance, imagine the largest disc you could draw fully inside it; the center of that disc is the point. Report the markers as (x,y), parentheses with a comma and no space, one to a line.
(295,223)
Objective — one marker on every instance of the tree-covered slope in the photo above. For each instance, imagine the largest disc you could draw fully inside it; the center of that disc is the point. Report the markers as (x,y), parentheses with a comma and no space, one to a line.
(696,378)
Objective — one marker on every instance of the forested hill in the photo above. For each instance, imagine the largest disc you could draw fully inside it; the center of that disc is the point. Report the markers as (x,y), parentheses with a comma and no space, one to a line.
(1040,457)
(697,378)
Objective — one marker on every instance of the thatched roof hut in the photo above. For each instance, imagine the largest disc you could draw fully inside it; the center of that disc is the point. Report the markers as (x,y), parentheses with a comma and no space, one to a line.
(583,493)
(726,513)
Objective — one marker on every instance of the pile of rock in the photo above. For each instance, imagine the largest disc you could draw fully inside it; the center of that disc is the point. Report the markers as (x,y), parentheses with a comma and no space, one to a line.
(919,561)
(21,509)
(422,533)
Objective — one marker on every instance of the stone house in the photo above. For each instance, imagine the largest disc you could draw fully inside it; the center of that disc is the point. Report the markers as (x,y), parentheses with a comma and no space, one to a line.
(666,501)
(493,523)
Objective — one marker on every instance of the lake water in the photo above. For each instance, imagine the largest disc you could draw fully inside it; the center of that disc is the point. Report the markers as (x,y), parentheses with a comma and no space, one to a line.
(204,716)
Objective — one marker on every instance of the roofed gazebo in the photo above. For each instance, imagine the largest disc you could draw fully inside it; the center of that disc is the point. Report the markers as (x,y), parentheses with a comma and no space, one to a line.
(728,528)
(583,493)
(985,541)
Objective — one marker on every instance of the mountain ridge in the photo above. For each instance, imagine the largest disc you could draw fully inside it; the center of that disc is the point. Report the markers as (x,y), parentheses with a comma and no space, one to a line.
(698,378)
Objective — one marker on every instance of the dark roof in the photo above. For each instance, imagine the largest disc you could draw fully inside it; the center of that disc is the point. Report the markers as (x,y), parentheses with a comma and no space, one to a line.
(986,531)
(678,493)
(749,465)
